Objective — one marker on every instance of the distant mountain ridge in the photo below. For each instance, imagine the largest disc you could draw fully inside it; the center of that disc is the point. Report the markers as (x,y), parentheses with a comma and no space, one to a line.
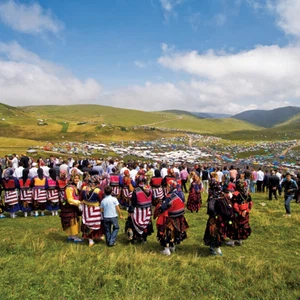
(199,115)
(268,118)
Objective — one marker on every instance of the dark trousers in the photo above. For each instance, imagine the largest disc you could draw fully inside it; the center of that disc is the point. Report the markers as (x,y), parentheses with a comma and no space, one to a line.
(259,185)
(272,192)
(111,230)
(183,182)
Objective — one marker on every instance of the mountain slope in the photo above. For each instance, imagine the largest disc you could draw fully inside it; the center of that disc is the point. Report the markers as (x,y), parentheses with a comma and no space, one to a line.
(268,118)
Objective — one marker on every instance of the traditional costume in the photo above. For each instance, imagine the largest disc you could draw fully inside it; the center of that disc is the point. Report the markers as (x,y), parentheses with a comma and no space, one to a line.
(70,214)
(25,193)
(127,189)
(242,205)
(61,185)
(53,193)
(91,196)
(219,211)
(171,223)
(157,190)
(139,225)
(39,186)
(115,184)
(11,192)
(194,201)
(168,178)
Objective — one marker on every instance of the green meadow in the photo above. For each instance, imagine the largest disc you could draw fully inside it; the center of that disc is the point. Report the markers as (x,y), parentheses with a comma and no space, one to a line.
(37,263)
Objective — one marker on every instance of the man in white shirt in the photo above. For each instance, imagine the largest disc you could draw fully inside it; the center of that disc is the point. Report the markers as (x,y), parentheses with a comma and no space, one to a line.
(220,175)
(163,171)
(64,167)
(133,172)
(123,169)
(15,161)
(33,171)
(260,180)
(18,173)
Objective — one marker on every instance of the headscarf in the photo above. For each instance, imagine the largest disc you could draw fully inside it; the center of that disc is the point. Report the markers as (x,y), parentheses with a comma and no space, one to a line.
(62,175)
(126,173)
(241,187)
(8,173)
(171,172)
(172,184)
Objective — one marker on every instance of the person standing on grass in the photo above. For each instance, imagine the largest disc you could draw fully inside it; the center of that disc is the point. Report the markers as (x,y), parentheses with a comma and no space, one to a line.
(70,214)
(11,192)
(205,179)
(110,208)
(184,175)
(260,180)
(91,212)
(25,193)
(194,201)
(298,191)
(290,188)
(171,223)
(52,193)
(242,205)
(157,190)
(39,185)
(273,185)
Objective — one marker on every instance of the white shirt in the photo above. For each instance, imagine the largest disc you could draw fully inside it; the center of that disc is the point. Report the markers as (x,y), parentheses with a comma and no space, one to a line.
(164,172)
(18,173)
(15,163)
(32,172)
(260,175)
(133,174)
(64,167)
(220,176)
(45,170)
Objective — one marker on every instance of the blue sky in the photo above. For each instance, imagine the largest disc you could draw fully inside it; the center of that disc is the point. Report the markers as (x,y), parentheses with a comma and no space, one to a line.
(209,55)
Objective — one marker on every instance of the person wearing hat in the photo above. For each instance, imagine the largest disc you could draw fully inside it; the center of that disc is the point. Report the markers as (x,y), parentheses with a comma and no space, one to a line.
(171,223)
(290,188)
(92,196)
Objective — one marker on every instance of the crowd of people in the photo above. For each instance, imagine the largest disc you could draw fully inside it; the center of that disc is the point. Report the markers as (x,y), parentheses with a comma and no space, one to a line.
(92,194)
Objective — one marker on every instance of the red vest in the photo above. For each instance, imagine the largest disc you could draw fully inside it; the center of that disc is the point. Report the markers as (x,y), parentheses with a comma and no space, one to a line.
(114,180)
(156,181)
(24,185)
(61,184)
(9,185)
(51,184)
(142,200)
(168,179)
(177,207)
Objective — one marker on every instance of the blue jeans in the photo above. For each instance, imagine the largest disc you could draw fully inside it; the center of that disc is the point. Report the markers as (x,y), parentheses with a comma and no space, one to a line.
(111,227)
(287,203)
(252,186)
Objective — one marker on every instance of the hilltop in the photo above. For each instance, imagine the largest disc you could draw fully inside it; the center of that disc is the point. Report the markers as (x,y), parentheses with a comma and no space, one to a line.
(268,118)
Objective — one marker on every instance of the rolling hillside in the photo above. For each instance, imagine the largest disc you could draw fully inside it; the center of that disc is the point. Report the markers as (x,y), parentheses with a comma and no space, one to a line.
(103,123)
(268,118)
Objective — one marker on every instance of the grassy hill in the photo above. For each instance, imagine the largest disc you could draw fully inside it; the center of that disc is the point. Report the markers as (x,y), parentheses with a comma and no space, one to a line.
(104,123)
(268,118)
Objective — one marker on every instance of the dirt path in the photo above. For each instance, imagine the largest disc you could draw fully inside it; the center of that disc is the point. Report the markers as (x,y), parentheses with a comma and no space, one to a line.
(284,152)
(177,118)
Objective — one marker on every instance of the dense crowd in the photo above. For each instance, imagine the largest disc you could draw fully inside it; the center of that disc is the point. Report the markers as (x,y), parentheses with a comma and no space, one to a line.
(89,193)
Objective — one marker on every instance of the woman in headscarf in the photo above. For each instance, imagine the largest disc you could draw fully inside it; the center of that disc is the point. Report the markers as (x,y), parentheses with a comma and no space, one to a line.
(53,193)
(70,214)
(104,181)
(157,190)
(92,196)
(169,177)
(194,201)
(61,185)
(127,189)
(171,223)
(11,194)
(139,224)
(242,205)
(219,212)
(39,186)
(25,192)
(115,181)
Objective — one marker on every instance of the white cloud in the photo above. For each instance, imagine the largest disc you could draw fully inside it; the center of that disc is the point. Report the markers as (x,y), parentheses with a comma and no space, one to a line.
(287,12)
(26,79)
(195,20)
(30,19)
(264,77)
(168,7)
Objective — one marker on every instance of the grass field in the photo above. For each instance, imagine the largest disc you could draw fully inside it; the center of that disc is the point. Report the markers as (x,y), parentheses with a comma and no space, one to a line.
(37,263)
